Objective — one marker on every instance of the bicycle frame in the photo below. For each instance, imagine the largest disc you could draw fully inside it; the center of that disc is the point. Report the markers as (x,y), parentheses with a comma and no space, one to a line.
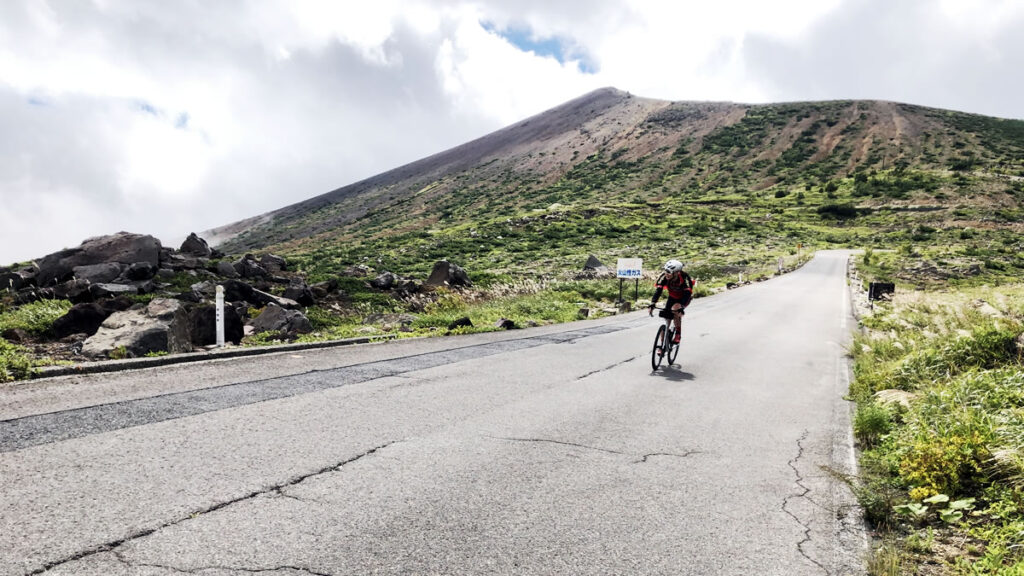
(664,346)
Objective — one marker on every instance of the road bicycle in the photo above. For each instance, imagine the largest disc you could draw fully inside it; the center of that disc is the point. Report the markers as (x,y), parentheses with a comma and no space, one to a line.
(664,347)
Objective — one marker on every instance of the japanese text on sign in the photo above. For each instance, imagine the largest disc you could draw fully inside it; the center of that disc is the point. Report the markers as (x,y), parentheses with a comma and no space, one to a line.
(629,268)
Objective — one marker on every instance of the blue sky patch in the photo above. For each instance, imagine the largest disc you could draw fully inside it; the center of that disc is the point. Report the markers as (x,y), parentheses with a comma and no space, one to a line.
(182,121)
(557,47)
(36,101)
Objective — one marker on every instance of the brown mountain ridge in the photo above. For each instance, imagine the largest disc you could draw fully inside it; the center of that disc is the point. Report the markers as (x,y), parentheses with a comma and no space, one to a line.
(609,146)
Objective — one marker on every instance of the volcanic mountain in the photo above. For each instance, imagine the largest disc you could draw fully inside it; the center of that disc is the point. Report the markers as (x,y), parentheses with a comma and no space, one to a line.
(610,149)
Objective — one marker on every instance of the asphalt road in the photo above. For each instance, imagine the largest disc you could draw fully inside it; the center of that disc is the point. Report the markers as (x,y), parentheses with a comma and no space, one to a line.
(552,450)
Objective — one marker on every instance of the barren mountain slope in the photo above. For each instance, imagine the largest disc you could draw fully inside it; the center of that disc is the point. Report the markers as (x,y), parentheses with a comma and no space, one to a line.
(609,146)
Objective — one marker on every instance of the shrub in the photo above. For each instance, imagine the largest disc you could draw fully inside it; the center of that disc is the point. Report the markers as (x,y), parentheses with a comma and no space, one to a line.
(871,422)
(36,317)
(944,464)
(986,347)
(15,363)
(838,211)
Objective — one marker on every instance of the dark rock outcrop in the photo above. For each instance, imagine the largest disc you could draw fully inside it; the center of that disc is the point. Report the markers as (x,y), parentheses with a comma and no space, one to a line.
(97,273)
(237,291)
(112,290)
(203,325)
(138,271)
(447,274)
(273,264)
(276,319)
(74,290)
(181,262)
(323,289)
(123,247)
(383,281)
(86,318)
(298,291)
(226,270)
(16,335)
(460,323)
(505,324)
(388,281)
(247,267)
(15,280)
(261,298)
(195,246)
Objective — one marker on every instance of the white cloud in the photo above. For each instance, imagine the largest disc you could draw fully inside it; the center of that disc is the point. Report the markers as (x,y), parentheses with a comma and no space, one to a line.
(287,99)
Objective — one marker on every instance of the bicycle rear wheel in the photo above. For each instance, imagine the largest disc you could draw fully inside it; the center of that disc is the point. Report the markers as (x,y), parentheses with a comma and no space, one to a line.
(656,352)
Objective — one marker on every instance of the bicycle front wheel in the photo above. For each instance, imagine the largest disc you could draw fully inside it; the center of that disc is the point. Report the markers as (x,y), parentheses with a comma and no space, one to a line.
(673,350)
(656,352)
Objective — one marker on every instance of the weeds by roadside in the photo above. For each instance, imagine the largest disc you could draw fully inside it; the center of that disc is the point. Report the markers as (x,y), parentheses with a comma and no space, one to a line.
(939,386)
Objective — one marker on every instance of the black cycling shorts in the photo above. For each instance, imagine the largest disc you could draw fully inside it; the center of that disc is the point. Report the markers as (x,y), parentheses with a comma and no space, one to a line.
(685,301)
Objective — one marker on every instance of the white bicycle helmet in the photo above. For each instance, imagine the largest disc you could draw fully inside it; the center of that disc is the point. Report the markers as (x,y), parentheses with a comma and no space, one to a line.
(673,266)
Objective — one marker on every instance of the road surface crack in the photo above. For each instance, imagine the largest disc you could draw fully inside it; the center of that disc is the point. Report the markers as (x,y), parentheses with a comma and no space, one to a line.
(683,455)
(276,489)
(643,459)
(559,442)
(120,558)
(802,494)
(607,368)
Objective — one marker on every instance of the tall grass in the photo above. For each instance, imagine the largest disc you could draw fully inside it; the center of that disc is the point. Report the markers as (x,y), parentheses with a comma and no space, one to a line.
(36,317)
(15,363)
(962,435)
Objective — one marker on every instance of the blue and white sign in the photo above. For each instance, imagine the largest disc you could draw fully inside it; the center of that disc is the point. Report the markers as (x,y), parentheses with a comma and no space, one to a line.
(629,268)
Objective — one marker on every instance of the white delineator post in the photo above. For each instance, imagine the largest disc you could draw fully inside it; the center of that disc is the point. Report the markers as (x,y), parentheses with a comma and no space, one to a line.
(220,316)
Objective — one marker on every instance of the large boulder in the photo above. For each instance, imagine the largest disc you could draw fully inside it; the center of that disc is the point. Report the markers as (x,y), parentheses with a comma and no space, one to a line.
(447,274)
(181,262)
(321,290)
(276,319)
(162,326)
(123,247)
(595,268)
(140,271)
(273,264)
(97,273)
(388,281)
(226,270)
(86,318)
(248,267)
(463,322)
(195,246)
(237,291)
(384,281)
(261,298)
(203,325)
(76,290)
(298,291)
(16,280)
(99,291)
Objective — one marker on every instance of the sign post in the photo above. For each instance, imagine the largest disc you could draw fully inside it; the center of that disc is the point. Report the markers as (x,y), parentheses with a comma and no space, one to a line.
(220,316)
(630,268)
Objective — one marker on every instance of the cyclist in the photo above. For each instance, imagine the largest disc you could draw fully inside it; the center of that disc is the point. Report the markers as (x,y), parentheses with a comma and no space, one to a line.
(680,291)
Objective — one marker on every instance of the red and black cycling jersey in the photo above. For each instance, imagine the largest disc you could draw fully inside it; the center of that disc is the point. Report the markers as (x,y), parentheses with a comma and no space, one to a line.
(679,286)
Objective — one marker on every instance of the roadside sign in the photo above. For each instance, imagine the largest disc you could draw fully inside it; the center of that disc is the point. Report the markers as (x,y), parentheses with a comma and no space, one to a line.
(629,268)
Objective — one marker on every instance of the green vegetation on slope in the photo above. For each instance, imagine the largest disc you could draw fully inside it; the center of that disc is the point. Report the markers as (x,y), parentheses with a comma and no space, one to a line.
(939,387)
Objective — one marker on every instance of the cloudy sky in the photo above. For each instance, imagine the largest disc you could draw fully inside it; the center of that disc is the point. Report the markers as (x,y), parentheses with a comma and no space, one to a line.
(166,117)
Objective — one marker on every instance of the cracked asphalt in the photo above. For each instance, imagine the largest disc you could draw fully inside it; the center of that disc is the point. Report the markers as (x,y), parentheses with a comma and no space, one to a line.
(552,450)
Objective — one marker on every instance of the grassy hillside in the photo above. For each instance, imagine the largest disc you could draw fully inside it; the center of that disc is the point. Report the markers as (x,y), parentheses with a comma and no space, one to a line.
(720,185)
